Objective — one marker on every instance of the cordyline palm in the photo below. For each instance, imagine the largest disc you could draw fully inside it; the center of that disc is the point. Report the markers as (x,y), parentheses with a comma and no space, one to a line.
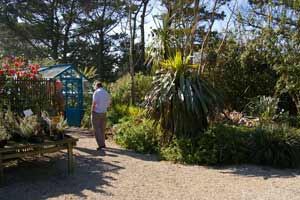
(180,100)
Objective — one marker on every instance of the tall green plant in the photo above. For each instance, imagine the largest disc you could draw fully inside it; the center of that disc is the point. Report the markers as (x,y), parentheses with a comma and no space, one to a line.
(181,101)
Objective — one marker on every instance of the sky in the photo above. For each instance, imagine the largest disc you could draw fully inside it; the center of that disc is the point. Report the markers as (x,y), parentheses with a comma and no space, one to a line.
(218,26)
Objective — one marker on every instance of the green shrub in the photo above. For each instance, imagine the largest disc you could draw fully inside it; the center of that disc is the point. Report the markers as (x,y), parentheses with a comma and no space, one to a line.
(191,151)
(121,89)
(116,113)
(87,104)
(292,121)
(276,145)
(263,107)
(272,145)
(137,134)
(122,112)
(120,96)
(222,144)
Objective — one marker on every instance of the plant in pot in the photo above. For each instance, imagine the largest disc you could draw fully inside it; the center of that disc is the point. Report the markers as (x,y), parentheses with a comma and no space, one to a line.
(58,130)
(12,125)
(31,129)
(4,136)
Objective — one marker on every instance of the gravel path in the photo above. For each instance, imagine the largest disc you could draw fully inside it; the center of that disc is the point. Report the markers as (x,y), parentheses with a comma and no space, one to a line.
(121,174)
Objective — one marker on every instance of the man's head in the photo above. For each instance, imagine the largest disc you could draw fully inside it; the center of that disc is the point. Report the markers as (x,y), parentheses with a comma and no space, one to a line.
(97,85)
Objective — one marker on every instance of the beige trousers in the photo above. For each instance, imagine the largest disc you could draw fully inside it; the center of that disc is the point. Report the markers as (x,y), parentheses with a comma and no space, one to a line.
(99,124)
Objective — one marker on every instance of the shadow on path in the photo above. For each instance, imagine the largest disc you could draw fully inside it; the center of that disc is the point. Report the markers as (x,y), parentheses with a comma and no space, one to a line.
(114,152)
(48,178)
(258,171)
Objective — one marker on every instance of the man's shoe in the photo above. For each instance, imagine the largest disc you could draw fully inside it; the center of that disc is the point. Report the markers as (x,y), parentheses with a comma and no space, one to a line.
(100,148)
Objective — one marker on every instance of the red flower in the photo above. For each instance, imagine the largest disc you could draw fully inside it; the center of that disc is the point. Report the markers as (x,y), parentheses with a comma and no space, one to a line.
(19,73)
(17,64)
(32,75)
(7,65)
(24,73)
(1,72)
(32,67)
(34,71)
(12,72)
(37,66)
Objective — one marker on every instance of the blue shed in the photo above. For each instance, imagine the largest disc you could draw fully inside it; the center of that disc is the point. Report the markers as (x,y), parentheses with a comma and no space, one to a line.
(72,81)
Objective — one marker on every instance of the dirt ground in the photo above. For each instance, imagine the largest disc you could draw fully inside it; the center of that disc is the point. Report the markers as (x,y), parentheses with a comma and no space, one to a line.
(115,173)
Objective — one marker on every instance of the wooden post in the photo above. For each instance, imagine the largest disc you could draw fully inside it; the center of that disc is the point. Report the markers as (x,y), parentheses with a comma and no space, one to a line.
(70,158)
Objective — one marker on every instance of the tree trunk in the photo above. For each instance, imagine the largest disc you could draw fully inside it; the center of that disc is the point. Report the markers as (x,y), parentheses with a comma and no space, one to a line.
(131,66)
(100,64)
(142,48)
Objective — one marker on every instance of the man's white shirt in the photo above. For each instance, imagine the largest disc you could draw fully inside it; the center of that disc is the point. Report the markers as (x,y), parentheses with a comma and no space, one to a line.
(102,100)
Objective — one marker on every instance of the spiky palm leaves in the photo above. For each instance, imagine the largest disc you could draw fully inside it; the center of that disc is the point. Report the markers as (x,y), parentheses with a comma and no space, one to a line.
(180,100)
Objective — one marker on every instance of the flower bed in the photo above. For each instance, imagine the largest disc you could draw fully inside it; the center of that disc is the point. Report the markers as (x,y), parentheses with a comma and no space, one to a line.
(18,68)
(23,88)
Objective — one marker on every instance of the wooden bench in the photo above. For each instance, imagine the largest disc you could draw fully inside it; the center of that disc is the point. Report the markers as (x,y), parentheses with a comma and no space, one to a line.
(15,150)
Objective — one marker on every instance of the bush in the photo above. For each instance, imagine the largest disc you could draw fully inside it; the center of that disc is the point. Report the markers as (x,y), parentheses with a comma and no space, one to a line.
(121,89)
(272,145)
(275,145)
(116,112)
(263,107)
(87,104)
(120,96)
(137,134)
(222,144)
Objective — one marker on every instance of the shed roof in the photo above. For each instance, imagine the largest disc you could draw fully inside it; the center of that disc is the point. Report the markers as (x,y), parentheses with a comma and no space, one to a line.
(55,70)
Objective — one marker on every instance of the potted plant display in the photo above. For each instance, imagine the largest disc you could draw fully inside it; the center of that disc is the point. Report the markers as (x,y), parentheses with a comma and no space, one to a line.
(31,129)
(58,130)
(4,136)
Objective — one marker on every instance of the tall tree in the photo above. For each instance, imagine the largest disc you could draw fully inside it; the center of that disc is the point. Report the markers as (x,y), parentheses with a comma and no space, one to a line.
(66,31)
(142,27)
(187,24)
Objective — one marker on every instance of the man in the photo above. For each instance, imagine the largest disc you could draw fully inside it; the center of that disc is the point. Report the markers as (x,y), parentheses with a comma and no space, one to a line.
(101,101)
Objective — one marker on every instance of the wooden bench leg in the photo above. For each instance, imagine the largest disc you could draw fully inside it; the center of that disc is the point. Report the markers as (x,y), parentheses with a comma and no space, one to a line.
(70,159)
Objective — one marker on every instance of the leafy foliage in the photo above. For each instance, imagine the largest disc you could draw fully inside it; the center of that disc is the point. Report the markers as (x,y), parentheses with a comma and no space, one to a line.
(218,145)
(78,32)
(4,133)
(120,90)
(242,72)
(137,134)
(29,126)
(89,72)
(289,80)
(180,100)
(266,108)
(276,146)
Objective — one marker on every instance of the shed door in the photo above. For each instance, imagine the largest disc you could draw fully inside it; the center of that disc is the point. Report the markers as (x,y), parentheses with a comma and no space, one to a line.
(72,90)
